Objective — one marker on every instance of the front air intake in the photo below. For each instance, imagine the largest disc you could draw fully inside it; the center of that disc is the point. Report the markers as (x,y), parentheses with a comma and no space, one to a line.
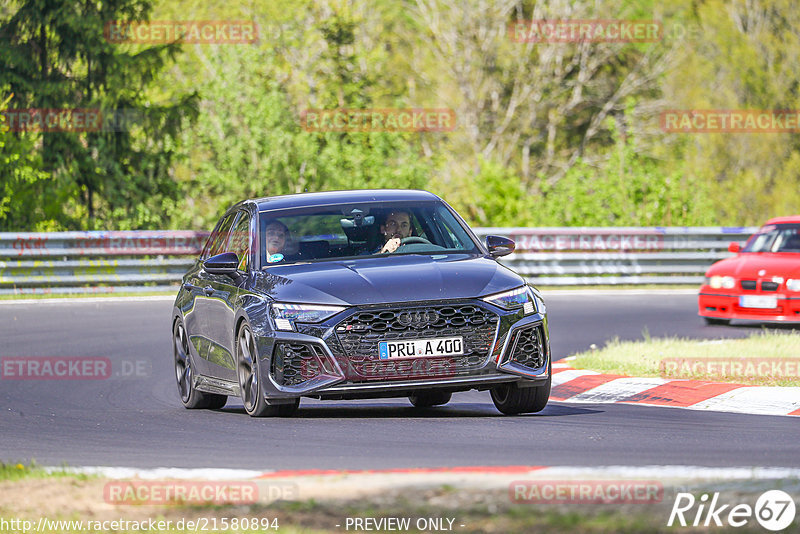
(295,363)
(527,347)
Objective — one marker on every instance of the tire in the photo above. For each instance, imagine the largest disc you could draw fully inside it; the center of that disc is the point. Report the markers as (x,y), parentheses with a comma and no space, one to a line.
(513,400)
(184,374)
(250,379)
(714,321)
(427,399)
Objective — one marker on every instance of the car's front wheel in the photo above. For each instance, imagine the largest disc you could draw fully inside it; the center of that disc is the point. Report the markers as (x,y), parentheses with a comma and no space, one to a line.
(427,399)
(250,379)
(184,373)
(512,400)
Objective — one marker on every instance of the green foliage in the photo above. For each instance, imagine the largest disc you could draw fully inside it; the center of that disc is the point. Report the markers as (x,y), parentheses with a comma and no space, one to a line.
(249,142)
(25,190)
(740,56)
(628,189)
(55,55)
(495,197)
(547,134)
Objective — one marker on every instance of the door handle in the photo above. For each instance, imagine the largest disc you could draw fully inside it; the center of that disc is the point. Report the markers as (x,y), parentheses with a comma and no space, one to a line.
(208,290)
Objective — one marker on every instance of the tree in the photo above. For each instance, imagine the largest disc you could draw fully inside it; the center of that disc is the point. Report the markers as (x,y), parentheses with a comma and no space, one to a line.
(55,55)
(249,140)
(23,203)
(740,55)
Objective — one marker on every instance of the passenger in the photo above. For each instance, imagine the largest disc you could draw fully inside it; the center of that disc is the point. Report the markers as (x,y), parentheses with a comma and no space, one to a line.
(276,235)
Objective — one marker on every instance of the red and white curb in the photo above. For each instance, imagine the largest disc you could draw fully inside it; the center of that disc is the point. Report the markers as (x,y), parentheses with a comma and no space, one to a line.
(591,387)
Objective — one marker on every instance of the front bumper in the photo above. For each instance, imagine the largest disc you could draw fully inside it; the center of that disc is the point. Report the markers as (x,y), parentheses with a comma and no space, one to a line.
(334,375)
(718,304)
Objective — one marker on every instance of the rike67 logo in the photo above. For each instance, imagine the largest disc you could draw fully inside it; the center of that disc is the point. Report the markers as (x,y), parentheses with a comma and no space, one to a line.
(774,510)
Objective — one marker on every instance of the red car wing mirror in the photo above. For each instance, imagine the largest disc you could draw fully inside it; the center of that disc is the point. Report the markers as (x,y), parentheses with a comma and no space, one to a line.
(734,247)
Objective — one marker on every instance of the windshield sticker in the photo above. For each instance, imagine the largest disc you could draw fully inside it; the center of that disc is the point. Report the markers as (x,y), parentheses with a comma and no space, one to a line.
(275,258)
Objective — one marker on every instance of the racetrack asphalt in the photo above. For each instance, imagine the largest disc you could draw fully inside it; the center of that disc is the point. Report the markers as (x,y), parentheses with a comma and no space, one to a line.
(134,418)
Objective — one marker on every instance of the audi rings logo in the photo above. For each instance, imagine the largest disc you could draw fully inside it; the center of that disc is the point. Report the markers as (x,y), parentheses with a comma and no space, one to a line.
(418,318)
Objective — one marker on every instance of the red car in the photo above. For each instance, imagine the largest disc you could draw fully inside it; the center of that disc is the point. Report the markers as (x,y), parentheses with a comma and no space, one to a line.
(761,283)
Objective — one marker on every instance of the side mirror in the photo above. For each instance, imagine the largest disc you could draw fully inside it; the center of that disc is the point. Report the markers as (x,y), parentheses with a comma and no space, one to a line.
(734,247)
(499,246)
(225,263)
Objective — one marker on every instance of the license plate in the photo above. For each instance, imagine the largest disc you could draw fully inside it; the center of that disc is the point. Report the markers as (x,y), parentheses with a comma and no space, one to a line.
(420,348)
(758,301)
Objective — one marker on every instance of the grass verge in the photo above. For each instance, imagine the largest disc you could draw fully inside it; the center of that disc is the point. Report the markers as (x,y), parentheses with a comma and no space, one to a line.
(766,359)
(12,471)
(79,506)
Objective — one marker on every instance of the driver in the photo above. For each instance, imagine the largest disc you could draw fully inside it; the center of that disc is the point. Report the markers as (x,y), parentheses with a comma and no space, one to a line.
(396,227)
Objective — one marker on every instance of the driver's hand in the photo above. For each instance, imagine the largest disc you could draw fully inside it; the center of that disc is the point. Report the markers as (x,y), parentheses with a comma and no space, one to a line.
(391,245)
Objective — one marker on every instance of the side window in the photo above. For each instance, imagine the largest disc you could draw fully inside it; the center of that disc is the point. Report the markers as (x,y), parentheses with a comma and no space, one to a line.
(240,240)
(219,238)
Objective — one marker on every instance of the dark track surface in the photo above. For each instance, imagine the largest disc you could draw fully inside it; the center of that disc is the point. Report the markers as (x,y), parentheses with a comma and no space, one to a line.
(138,420)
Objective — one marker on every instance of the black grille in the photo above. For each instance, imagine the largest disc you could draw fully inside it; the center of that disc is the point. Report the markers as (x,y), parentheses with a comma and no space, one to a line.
(361,333)
(528,348)
(748,284)
(769,286)
(294,363)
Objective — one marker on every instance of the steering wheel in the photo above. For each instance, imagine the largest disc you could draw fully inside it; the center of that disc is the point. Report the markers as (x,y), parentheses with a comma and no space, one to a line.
(411,240)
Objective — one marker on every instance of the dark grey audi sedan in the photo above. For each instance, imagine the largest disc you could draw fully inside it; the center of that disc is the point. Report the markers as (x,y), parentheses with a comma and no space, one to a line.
(352,295)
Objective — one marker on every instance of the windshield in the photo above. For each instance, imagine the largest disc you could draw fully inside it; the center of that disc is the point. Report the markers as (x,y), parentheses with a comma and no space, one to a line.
(359,230)
(775,238)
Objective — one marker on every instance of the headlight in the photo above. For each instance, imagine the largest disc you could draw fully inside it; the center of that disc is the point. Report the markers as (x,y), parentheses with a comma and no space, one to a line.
(793,284)
(727,282)
(508,300)
(522,297)
(285,315)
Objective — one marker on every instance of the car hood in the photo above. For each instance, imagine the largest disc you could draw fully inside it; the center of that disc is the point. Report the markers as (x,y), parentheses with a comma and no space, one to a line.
(404,278)
(749,264)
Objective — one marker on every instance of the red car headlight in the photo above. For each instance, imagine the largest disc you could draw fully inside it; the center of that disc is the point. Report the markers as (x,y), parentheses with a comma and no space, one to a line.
(726,282)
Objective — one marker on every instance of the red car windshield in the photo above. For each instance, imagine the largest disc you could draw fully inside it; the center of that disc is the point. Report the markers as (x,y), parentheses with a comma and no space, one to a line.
(775,238)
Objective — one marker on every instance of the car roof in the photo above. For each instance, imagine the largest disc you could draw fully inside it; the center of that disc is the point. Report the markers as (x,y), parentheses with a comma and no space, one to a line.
(302,200)
(792,219)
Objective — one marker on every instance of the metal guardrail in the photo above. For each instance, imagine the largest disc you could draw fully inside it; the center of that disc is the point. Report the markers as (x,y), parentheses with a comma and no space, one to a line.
(147,261)
(618,255)
(96,262)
